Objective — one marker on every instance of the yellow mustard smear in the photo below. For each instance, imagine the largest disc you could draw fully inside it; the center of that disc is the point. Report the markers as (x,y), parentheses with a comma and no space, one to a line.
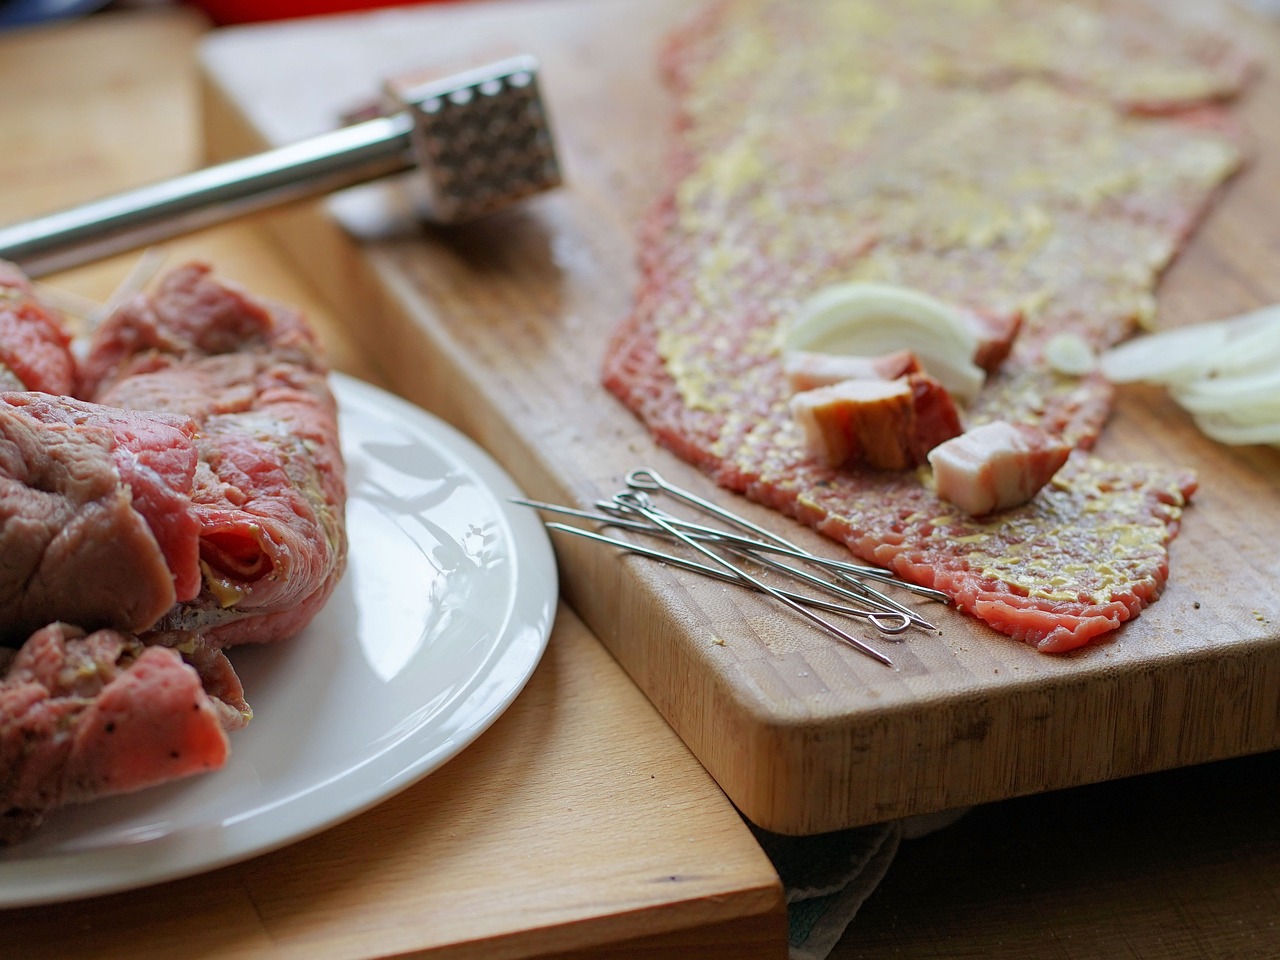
(802,175)
(223,590)
(1133,544)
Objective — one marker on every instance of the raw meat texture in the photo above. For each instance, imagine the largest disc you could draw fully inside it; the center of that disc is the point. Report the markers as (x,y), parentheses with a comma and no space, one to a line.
(35,346)
(190,316)
(217,676)
(83,717)
(96,523)
(192,499)
(269,489)
(967,151)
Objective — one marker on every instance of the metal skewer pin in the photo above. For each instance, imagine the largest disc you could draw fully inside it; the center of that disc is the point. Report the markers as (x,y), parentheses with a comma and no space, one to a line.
(886,622)
(614,517)
(757,551)
(634,498)
(776,546)
(647,480)
(481,140)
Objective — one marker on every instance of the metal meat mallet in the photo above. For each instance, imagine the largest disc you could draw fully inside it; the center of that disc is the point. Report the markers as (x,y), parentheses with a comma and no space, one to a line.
(480,139)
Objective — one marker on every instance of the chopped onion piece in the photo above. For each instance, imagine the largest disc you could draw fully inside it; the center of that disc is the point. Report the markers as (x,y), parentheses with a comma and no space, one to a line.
(1069,353)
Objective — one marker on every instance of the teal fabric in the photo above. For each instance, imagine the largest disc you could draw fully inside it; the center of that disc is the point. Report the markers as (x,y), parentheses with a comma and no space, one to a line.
(829,876)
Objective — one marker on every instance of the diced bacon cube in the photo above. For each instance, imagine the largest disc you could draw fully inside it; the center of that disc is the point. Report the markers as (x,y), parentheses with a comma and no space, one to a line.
(887,424)
(858,420)
(937,419)
(996,466)
(995,333)
(808,371)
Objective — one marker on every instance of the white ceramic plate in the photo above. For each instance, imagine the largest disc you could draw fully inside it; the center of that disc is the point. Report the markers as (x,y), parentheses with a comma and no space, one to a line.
(442,616)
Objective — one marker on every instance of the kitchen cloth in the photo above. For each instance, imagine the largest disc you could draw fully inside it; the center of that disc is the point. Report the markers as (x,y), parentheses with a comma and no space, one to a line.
(828,876)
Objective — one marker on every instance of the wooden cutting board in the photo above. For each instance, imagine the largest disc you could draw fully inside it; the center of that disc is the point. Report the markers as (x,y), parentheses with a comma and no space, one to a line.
(500,326)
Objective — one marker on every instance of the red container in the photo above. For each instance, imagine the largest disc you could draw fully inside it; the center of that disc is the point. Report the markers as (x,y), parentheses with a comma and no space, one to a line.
(250,11)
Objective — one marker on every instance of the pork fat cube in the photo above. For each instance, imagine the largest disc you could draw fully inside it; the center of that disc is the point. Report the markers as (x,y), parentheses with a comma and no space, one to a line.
(996,466)
(995,333)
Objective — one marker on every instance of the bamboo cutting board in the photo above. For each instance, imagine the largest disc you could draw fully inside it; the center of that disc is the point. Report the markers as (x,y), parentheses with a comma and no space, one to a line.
(500,326)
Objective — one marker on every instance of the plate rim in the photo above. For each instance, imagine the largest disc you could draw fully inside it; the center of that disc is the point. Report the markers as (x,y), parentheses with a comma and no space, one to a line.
(69,876)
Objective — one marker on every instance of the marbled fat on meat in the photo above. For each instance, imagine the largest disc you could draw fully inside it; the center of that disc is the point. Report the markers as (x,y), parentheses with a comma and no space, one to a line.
(1036,163)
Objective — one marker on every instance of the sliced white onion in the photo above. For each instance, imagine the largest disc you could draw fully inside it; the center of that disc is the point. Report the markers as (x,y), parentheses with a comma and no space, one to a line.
(1254,347)
(1226,374)
(871,319)
(1171,356)
(1240,434)
(1255,393)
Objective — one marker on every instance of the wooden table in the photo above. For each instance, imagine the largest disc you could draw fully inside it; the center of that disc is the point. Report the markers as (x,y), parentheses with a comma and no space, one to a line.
(578,825)
(1181,865)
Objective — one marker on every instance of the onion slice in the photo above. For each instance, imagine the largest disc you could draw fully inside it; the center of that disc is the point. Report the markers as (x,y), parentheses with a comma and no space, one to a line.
(872,319)
(1225,374)
(1247,395)
(1227,431)
(1169,357)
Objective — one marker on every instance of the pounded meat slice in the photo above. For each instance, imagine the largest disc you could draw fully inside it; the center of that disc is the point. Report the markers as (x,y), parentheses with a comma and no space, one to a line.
(217,676)
(83,717)
(268,498)
(196,501)
(95,517)
(156,460)
(35,347)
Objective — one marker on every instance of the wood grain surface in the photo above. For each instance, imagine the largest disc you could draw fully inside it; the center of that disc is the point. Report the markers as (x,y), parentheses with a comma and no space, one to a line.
(1178,865)
(1181,865)
(499,327)
(578,825)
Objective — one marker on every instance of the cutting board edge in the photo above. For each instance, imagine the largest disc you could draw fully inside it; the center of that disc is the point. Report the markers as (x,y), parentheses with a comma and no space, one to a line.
(800,775)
